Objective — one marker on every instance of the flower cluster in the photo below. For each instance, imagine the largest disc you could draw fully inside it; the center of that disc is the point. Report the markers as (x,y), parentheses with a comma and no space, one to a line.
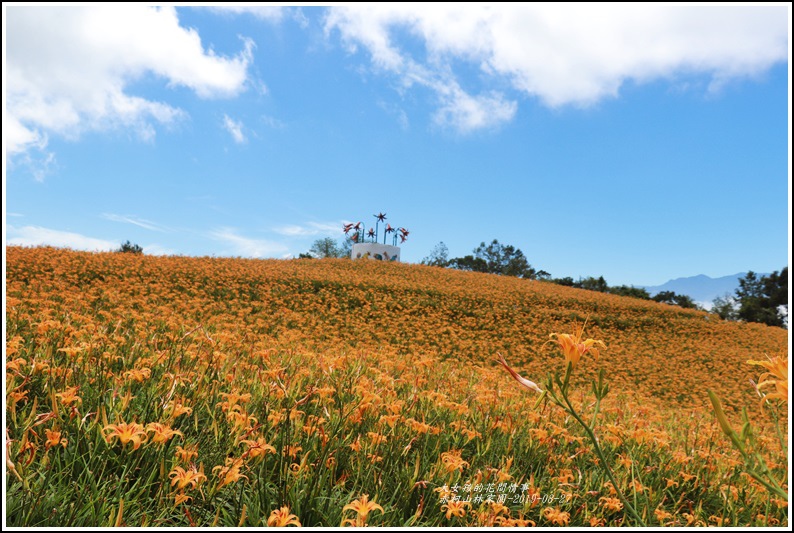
(362,234)
(228,392)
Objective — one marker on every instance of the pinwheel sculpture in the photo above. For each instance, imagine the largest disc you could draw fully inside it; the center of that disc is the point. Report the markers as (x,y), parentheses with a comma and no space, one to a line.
(361,236)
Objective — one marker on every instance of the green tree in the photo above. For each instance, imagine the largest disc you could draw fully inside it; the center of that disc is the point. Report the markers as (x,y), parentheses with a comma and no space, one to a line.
(670,297)
(130,248)
(326,247)
(592,284)
(439,256)
(346,248)
(470,263)
(543,275)
(760,298)
(496,258)
(776,288)
(725,307)
(633,292)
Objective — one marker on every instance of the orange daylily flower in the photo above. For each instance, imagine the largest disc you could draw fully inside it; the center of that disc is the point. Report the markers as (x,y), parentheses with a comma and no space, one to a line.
(181,498)
(230,473)
(54,439)
(452,461)
(186,478)
(16,396)
(126,433)
(573,347)
(611,505)
(69,396)
(162,433)
(362,507)
(282,518)
(177,408)
(661,514)
(455,508)
(776,377)
(258,447)
(186,454)
(138,374)
(556,517)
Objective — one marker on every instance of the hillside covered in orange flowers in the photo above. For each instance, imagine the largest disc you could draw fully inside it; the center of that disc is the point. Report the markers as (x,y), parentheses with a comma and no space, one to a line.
(403,310)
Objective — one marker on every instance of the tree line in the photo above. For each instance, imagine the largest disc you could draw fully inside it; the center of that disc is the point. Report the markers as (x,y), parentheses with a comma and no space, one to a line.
(507,260)
(761,299)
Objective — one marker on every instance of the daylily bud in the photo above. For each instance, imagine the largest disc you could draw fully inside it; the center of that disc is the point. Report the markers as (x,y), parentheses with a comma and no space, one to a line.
(525,382)
(721,418)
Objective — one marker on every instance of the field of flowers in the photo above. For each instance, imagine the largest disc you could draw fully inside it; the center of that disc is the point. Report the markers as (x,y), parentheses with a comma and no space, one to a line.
(176,391)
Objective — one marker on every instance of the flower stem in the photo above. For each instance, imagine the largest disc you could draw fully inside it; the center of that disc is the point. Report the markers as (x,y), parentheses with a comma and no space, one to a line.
(600,454)
(595,413)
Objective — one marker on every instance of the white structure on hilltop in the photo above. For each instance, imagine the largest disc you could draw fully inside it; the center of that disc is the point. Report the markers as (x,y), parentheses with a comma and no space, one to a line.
(374,250)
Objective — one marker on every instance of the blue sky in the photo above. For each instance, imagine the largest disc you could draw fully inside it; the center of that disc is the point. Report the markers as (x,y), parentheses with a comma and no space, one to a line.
(641,144)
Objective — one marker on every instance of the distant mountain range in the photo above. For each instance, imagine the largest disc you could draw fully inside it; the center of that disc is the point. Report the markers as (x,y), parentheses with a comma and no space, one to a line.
(701,288)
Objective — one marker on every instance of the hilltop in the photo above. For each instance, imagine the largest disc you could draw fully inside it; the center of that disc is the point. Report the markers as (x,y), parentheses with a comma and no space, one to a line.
(654,350)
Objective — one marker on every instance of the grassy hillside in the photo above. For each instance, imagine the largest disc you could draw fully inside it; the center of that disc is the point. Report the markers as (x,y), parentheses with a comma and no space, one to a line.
(655,349)
(398,359)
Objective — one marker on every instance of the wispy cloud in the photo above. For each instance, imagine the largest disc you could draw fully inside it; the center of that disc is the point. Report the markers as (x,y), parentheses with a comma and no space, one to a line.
(273,122)
(466,113)
(235,129)
(267,13)
(34,158)
(39,236)
(140,222)
(272,14)
(396,111)
(554,53)
(156,249)
(246,246)
(331,229)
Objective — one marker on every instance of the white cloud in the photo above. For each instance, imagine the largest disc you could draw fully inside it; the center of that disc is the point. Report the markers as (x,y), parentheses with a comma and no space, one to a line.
(156,249)
(331,229)
(467,113)
(235,129)
(273,14)
(273,122)
(68,70)
(569,54)
(18,138)
(294,231)
(268,13)
(140,222)
(38,162)
(245,246)
(38,236)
